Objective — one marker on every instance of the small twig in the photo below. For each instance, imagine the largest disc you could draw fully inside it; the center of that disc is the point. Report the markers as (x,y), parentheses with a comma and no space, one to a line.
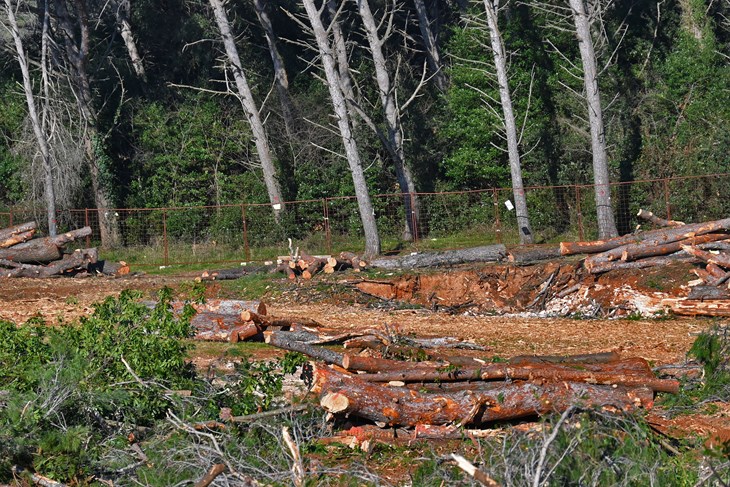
(214,472)
(267,414)
(131,372)
(543,451)
(297,468)
(474,472)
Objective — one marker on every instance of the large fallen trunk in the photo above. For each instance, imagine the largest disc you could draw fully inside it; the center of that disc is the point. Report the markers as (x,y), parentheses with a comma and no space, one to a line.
(599,267)
(396,406)
(524,255)
(660,222)
(42,250)
(286,341)
(649,249)
(16,239)
(78,260)
(489,253)
(664,235)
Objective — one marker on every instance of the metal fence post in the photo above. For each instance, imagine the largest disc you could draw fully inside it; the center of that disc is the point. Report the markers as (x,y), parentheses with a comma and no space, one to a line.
(666,199)
(246,248)
(86,224)
(164,237)
(580,213)
(497,221)
(327,234)
(414,217)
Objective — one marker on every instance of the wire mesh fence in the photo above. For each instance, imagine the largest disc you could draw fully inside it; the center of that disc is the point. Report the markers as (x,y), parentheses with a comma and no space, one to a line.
(418,221)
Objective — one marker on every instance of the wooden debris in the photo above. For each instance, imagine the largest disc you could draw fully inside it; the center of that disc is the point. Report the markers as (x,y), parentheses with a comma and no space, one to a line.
(526,255)
(488,253)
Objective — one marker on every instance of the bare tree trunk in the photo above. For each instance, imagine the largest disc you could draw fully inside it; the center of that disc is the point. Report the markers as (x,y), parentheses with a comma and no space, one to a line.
(40,135)
(500,63)
(334,84)
(126,30)
(77,56)
(606,224)
(340,50)
(281,79)
(249,106)
(392,118)
(433,55)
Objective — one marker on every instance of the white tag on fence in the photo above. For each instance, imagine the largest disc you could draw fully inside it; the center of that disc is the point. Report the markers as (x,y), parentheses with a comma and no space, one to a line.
(509,205)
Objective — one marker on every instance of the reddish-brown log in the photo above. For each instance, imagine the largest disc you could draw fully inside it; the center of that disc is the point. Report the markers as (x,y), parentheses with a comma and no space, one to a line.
(42,250)
(588,358)
(721,259)
(396,406)
(6,233)
(16,239)
(663,260)
(715,270)
(671,234)
(219,327)
(650,248)
(660,222)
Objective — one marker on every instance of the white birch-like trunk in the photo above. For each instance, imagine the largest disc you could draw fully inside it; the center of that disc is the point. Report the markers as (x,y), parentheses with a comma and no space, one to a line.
(392,118)
(604,211)
(334,84)
(40,136)
(340,52)
(250,108)
(131,45)
(500,63)
(281,79)
(433,56)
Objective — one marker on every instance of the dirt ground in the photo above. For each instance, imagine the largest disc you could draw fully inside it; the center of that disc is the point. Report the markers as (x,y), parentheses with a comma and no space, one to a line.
(659,341)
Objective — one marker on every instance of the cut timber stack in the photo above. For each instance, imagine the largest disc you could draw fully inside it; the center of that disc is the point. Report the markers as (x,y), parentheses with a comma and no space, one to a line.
(449,392)
(21,255)
(306,266)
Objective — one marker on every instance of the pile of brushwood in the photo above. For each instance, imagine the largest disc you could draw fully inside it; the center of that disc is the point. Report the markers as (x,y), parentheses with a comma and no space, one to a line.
(442,395)
(22,255)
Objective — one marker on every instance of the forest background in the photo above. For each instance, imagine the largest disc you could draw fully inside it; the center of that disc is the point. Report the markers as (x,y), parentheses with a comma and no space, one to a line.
(153,103)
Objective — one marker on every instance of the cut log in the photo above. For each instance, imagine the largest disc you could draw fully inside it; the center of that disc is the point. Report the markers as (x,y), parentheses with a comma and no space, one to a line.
(600,267)
(720,259)
(671,234)
(16,239)
(653,248)
(523,372)
(6,233)
(524,255)
(244,332)
(42,250)
(354,260)
(228,306)
(660,222)
(289,271)
(687,307)
(396,406)
(721,245)
(489,253)
(284,340)
(589,358)
(221,327)
(78,260)
(110,268)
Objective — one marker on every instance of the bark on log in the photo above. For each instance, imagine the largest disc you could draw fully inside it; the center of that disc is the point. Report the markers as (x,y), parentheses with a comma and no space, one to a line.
(722,245)
(660,222)
(720,259)
(78,260)
(16,239)
(522,255)
(395,406)
(489,253)
(708,293)
(227,306)
(284,340)
(354,260)
(686,307)
(8,232)
(652,248)
(221,327)
(600,267)
(589,358)
(555,373)
(42,250)
(670,234)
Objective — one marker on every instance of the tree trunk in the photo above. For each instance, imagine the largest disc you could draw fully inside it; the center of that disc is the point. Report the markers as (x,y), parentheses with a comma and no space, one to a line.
(126,30)
(500,63)
(340,51)
(334,84)
(78,260)
(606,224)
(281,79)
(489,253)
(250,108)
(392,119)
(42,249)
(433,56)
(40,135)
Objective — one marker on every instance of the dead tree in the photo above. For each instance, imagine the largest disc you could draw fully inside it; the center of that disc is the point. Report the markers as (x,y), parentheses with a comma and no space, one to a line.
(500,63)
(249,107)
(344,123)
(122,16)
(391,113)
(433,56)
(606,223)
(38,130)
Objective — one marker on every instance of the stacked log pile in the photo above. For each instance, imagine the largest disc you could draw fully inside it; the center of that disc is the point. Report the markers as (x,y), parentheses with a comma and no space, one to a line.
(22,255)
(705,243)
(438,397)
(305,266)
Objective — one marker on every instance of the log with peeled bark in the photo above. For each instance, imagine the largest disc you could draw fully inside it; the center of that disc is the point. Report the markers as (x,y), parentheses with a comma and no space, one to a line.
(648,248)
(668,235)
(488,253)
(525,255)
(550,372)
(77,260)
(9,232)
(600,267)
(16,239)
(42,250)
(660,222)
(721,259)
(687,307)
(286,341)
(347,394)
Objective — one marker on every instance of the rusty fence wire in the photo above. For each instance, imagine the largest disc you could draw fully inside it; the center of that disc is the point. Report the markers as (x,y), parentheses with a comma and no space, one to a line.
(418,221)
